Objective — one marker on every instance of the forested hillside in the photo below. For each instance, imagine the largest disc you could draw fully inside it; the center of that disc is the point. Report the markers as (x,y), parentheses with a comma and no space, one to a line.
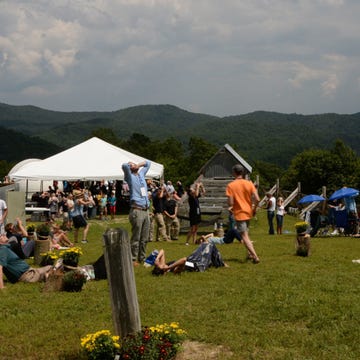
(259,136)
(15,146)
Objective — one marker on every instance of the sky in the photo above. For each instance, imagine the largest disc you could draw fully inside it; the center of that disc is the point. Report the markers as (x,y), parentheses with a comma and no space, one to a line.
(218,57)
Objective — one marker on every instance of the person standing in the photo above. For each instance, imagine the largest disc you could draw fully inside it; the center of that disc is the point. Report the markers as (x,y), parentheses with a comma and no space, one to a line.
(112,204)
(243,199)
(3,215)
(134,175)
(270,207)
(53,203)
(280,212)
(158,202)
(170,214)
(77,216)
(194,193)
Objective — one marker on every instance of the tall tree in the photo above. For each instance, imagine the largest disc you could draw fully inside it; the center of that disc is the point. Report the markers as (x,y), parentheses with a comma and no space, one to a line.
(347,170)
(107,135)
(200,151)
(315,168)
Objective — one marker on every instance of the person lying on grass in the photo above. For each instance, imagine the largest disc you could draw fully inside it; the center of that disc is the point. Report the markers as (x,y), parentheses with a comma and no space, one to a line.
(228,237)
(16,269)
(205,256)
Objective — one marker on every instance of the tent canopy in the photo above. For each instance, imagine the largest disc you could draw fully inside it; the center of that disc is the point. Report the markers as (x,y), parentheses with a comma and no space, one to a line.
(93,159)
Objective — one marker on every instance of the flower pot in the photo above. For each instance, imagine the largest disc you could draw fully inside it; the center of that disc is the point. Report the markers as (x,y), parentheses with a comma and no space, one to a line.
(73,288)
(41,246)
(302,244)
(73,263)
(73,281)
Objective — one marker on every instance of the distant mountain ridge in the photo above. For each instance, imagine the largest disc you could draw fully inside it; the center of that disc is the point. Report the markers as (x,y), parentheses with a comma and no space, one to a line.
(261,135)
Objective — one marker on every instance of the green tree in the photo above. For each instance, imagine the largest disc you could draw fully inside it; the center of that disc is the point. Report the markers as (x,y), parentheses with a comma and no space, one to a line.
(107,135)
(347,168)
(171,154)
(312,168)
(199,152)
(5,167)
(315,168)
(268,173)
(138,144)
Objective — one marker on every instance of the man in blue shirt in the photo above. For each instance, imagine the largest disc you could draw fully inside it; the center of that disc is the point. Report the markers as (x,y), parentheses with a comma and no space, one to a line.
(134,175)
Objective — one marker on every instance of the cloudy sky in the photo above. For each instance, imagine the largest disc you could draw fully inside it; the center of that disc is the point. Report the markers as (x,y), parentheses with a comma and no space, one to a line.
(220,57)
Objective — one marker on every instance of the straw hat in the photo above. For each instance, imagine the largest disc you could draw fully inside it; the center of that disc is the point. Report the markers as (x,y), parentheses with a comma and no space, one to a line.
(77,193)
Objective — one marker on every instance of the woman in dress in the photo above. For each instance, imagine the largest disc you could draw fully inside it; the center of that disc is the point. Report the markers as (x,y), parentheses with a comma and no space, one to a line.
(194,193)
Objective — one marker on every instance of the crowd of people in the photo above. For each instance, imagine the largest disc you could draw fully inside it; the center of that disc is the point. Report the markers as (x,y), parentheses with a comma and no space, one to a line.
(153,216)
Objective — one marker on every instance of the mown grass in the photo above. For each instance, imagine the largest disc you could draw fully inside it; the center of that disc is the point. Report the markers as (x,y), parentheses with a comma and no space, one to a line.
(286,307)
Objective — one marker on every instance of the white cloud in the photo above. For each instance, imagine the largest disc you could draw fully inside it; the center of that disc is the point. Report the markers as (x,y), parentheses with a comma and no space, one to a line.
(200,54)
(330,85)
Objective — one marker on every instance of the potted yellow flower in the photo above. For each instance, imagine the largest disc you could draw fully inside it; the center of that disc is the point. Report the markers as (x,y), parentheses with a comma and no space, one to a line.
(100,345)
(71,256)
(48,258)
(155,342)
(301,227)
(302,243)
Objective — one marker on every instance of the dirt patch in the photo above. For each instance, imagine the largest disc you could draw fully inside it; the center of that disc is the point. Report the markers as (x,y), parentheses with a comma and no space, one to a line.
(193,350)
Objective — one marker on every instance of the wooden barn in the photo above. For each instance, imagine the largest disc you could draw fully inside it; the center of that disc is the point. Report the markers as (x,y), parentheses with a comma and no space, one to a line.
(215,175)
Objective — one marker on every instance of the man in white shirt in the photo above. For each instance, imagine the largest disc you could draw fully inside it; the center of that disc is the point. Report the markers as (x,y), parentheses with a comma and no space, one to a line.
(271,205)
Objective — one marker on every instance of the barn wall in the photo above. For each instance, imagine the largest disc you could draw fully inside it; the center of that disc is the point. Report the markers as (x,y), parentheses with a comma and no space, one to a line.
(220,166)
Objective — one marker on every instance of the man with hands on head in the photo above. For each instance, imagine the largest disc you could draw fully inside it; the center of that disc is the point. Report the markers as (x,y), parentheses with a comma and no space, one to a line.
(134,175)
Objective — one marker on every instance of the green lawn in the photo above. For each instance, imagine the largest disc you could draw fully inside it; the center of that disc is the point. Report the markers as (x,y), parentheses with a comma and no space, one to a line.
(286,307)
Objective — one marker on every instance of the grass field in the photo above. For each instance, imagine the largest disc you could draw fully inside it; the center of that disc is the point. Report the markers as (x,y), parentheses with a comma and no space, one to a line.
(286,307)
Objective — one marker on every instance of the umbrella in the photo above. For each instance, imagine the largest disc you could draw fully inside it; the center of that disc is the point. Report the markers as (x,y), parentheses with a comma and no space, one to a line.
(344,193)
(310,198)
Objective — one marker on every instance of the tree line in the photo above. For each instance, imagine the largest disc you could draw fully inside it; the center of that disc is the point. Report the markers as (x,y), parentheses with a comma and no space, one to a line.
(313,168)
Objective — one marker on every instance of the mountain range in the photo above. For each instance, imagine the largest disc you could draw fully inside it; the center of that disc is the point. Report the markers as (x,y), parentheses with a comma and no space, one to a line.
(261,135)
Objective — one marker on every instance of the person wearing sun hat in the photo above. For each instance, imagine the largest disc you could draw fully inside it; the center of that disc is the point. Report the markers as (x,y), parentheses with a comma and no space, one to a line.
(77,215)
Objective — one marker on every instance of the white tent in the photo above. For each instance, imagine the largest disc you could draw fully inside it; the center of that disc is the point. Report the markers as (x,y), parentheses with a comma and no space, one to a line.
(93,159)
(29,186)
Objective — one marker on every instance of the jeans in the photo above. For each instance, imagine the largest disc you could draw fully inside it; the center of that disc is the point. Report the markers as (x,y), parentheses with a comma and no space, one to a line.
(270,216)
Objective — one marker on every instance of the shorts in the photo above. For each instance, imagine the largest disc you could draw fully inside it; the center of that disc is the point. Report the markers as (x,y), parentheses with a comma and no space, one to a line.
(35,275)
(242,226)
(79,221)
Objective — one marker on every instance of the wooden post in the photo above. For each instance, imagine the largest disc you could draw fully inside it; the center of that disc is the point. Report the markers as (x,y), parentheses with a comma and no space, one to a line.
(324,203)
(120,274)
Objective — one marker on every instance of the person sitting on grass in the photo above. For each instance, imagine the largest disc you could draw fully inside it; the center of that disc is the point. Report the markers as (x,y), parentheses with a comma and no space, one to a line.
(59,238)
(16,269)
(205,256)
(18,239)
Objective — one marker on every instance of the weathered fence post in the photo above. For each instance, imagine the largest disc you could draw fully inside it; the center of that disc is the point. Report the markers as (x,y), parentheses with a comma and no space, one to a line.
(120,273)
